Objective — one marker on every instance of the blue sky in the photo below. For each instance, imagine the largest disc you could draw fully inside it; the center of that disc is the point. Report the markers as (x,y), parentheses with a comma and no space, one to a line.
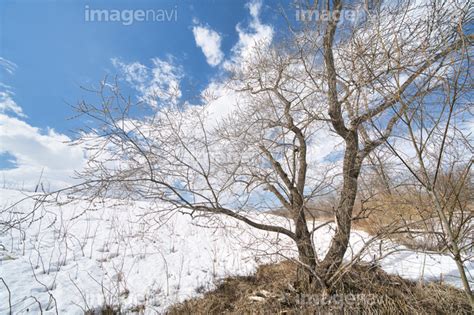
(56,50)
(48,49)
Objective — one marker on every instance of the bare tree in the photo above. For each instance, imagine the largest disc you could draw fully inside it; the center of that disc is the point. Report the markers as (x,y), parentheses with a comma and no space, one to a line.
(373,80)
(435,148)
(354,81)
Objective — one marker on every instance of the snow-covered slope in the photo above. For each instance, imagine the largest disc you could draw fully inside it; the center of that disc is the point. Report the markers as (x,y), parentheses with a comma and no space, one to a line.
(66,260)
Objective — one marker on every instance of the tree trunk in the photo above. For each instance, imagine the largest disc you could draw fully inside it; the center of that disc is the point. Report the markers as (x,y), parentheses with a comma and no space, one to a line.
(306,280)
(339,243)
(306,271)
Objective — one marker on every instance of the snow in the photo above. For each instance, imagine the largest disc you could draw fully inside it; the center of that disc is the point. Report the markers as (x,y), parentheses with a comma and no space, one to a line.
(66,260)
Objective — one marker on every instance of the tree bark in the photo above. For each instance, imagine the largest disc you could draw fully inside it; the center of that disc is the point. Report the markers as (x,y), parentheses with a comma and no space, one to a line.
(306,271)
(339,243)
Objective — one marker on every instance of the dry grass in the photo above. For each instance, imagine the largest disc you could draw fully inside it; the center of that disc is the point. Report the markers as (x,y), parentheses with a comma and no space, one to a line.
(362,290)
(106,310)
(406,217)
(409,219)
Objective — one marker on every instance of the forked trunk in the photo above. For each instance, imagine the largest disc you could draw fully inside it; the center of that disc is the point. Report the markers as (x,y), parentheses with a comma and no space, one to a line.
(340,241)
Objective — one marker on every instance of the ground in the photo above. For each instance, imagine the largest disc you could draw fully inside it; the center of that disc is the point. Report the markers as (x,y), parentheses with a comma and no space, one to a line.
(66,260)
(364,289)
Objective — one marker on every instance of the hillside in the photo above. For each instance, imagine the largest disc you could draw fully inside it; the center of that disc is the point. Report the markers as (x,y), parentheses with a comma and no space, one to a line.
(67,260)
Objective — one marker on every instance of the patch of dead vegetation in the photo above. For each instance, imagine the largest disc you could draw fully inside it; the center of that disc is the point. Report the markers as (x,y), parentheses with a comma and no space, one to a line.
(363,289)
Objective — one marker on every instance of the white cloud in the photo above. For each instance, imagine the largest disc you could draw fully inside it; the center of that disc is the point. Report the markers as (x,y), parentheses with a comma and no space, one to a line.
(157,84)
(222,100)
(32,151)
(210,43)
(7,104)
(256,34)
(35,151)
(7,65)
